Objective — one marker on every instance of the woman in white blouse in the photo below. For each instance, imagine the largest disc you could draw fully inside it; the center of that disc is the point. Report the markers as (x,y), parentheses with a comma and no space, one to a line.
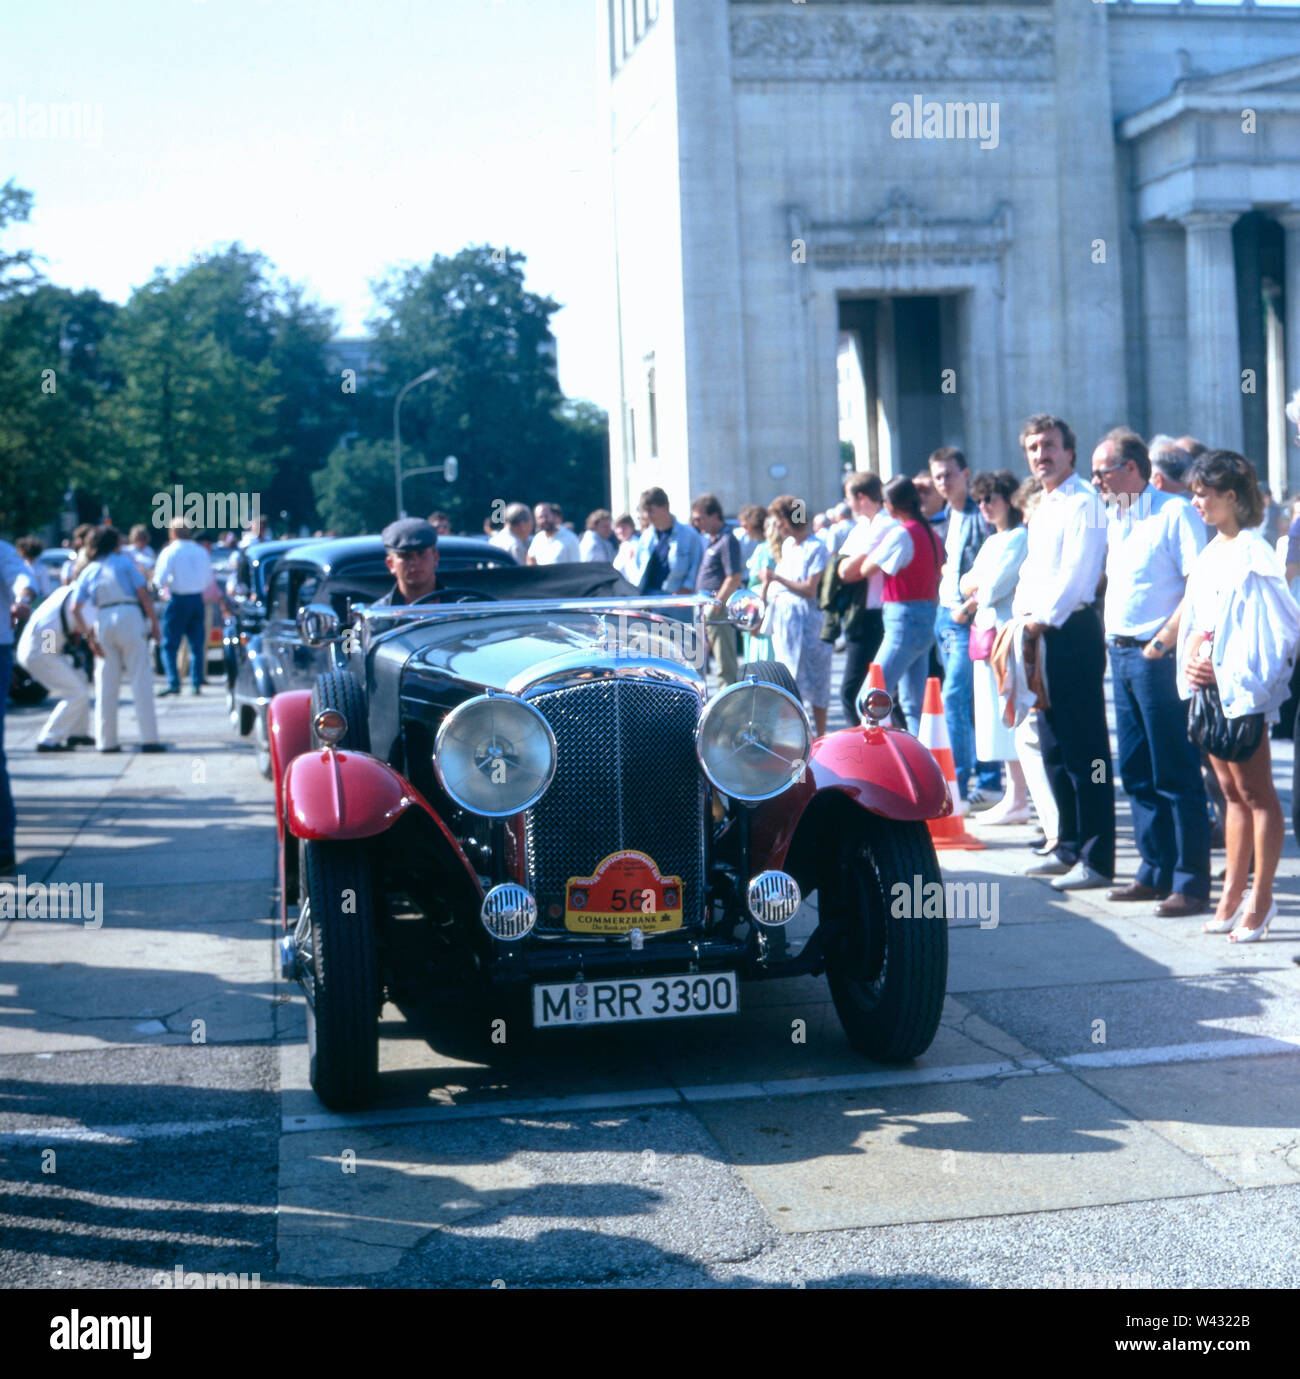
(791,589)
(1239,631)
(990,586)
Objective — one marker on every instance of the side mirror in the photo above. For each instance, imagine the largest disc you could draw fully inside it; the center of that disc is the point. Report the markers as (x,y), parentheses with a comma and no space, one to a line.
(318,624)
(745,610)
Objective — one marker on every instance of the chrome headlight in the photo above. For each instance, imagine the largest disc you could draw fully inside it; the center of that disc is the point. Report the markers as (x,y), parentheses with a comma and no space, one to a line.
(495,755)
(753,741)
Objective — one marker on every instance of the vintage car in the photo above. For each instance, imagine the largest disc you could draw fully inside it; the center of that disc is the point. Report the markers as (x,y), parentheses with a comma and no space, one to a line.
(263,652)
(531,794)
(246,595)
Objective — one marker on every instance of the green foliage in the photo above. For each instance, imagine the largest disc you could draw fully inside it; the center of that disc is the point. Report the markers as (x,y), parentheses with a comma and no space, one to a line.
(53,381)
(495,403)
(355,490)
(17,269)
(216,377)
(196,407)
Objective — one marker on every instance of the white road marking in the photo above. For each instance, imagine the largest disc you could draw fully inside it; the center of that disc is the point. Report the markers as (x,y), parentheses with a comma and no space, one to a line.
(122,1134)
(1253,1047)
(800,1086)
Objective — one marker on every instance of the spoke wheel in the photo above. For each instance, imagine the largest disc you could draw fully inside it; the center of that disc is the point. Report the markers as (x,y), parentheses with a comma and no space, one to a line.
(887,971)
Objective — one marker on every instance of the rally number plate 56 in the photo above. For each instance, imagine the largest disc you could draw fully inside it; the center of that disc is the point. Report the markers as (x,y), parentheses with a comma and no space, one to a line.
(634,998)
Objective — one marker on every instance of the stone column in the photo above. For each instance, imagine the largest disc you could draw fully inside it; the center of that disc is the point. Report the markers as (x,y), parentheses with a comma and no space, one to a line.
(1164,328)
(1213,343)
(1290,221)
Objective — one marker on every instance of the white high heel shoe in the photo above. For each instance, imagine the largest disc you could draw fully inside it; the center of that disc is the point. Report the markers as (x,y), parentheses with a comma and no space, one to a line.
(1224,926)
(1244,935)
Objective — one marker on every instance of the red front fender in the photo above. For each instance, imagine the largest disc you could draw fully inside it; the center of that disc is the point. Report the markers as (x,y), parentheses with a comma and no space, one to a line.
(332,795)
(337,795)
(288,731)
(885,770)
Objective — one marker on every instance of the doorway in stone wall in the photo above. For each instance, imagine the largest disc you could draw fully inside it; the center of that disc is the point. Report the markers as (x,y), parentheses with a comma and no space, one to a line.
(897,381)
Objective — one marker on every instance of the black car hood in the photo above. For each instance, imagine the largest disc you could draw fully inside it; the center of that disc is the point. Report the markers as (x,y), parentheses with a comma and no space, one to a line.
(514,651)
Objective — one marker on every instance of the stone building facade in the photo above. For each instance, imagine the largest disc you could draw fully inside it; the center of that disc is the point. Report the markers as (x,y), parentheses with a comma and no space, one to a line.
(1013,206)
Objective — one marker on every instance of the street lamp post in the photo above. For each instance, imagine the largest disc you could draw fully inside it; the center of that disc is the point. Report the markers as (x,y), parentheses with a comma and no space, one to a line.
(397,432)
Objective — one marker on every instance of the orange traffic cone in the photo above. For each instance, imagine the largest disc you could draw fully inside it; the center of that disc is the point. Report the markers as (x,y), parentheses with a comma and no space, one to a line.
(949,832)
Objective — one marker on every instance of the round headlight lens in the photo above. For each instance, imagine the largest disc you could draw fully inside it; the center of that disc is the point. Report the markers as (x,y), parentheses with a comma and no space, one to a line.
(753,740)
(495,755)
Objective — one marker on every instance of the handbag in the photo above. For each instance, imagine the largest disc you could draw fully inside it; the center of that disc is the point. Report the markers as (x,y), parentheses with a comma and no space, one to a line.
(981,642)
(1229,739)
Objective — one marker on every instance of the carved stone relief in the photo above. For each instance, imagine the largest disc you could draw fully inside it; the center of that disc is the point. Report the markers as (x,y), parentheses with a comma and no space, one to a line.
(889,46)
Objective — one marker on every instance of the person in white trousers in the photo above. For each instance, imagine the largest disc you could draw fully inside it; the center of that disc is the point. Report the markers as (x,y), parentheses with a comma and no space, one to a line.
(41,653)
(113,585)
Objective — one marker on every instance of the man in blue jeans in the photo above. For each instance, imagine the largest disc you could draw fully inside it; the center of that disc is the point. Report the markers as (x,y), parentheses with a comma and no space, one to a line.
(1153,540)
(11,566)
(966,533)
(184,569)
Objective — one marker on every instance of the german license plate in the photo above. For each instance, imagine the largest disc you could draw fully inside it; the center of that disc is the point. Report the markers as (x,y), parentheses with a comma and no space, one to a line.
(625,892)
(634,998)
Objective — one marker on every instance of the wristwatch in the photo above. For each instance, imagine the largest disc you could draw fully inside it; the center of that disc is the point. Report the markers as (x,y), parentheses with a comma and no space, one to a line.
(1159,645)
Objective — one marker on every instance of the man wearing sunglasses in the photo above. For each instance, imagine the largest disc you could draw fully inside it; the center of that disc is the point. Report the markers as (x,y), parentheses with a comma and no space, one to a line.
(411,554)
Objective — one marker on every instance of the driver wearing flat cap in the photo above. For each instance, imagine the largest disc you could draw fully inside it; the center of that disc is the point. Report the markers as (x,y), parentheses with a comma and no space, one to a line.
(411,547)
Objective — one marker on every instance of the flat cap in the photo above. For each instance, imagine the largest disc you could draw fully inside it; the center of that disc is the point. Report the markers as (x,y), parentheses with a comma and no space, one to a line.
(409,534)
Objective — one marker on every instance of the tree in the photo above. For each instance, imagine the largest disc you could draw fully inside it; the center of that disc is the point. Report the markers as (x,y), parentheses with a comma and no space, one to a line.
(17,270)
(311,409)
(53,383)
(226,386)
(494,401)
(354,491)
(192,410)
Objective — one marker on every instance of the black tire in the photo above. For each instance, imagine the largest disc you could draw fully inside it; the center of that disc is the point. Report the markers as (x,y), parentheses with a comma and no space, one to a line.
(771,673)
(341,978)
(24,690)
(887,973)
(340,689)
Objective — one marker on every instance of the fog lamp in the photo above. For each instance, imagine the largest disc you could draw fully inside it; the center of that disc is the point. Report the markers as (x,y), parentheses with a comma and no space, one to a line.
(508,912)
(773,898)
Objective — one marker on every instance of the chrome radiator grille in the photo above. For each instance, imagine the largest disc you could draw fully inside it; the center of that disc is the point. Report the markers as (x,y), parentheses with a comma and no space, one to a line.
(626,776)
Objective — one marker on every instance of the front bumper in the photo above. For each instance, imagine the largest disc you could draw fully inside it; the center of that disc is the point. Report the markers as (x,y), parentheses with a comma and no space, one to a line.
(753,956)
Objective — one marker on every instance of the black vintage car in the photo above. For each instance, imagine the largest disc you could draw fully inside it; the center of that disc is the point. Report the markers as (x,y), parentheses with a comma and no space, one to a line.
(531,795)
(264,653)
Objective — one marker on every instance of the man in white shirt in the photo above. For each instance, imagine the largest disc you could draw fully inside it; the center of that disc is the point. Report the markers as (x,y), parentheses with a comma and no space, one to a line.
(875,537)
(516,529)
(1057,593)
(41,651)
(1153,540)
(183,571)
(554,543)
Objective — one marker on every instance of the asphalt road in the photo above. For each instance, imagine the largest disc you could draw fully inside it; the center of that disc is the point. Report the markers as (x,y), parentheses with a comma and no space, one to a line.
(1112,1098)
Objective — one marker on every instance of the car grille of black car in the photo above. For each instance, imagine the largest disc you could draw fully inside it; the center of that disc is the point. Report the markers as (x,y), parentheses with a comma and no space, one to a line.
(626,776)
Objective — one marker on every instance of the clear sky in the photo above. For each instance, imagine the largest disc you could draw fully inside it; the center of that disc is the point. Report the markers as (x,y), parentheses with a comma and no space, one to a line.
(337,137)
